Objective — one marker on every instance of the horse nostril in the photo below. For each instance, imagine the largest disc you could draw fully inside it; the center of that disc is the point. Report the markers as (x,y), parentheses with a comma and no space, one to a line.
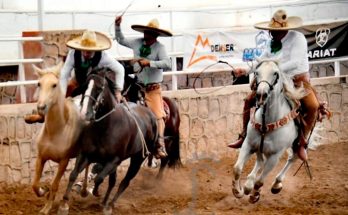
(261,96)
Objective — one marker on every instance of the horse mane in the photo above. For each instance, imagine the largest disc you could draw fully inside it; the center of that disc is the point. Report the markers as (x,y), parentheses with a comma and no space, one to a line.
(290,91)
(105,73)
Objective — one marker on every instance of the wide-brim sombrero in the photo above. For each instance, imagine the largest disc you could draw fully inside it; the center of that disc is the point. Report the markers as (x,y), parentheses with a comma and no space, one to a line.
(152,26)
(90,41)
(280,21)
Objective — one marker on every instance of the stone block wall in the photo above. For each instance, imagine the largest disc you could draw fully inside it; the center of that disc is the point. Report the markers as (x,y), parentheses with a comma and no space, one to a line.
(209,120)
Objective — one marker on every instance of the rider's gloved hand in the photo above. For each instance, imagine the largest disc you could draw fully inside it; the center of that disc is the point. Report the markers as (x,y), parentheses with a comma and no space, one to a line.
(238,72)
(144,62)
(118,95)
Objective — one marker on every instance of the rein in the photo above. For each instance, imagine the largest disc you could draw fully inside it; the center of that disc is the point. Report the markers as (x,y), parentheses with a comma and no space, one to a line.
(145,149)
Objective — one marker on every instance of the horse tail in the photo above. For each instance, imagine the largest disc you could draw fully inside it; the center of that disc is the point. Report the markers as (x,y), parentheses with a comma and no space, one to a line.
(174,159)
(172,133)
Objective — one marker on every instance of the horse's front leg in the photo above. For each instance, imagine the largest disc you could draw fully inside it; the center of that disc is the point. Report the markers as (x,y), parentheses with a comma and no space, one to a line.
(250,182)
(133,169)
(244,155)
(83,191)
(81,163)
(54,187)
(277,184)
(39,165)
(271,161)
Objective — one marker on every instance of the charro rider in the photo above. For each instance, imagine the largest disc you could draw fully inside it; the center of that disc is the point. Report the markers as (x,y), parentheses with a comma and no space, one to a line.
(290,47)
(153,59)
(87,53)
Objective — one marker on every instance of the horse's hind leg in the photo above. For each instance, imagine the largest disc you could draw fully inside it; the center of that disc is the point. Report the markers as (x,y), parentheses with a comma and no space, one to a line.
(277,184)
(133,169)
(108,169)
(54,187)
(244,155)
(112,182)
(39,165)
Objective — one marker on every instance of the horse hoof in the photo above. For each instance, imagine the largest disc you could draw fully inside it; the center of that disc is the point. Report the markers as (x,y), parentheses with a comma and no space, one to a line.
(95,193)
(84,193)
(63,209)
(254,198)
(276,190)
(107,211)
(43,191)
(247,190)
(237,193)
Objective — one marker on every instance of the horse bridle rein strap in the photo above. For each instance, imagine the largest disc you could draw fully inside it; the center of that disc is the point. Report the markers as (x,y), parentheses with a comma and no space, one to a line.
(271,86)
(145,149)
(274,125)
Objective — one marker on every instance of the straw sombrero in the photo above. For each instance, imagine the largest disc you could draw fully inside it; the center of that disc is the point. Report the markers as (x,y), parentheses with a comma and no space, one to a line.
(153,26)
(90,41)
(280,21)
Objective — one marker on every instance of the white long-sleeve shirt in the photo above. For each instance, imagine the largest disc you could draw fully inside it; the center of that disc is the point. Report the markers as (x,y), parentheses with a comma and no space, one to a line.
(158,58)
(106,61)
(293,56)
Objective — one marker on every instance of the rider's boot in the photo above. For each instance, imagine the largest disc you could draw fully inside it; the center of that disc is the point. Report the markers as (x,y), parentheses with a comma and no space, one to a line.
(161,148)
(34,117)
(310,106)
(248,103)
(302,149)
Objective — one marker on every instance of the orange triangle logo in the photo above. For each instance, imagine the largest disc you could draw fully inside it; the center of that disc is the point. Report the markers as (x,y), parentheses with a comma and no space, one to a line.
(194,59)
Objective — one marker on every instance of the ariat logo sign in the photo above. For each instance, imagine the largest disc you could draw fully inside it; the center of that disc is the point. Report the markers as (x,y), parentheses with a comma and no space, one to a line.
(322,36)
(200,44)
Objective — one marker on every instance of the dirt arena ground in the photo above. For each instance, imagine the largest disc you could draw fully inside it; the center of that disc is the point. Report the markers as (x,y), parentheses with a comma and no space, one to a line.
(205,188)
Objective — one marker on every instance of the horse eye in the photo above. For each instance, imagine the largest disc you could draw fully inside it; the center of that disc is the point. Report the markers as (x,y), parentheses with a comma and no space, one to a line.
(54,85)
(38,84)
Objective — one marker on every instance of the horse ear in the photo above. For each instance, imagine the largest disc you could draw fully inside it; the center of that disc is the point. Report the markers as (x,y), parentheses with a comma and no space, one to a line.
(38,71)
(57,68)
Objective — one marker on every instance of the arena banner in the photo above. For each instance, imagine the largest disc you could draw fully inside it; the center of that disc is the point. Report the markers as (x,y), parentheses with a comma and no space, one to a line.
(203,49)
(326,40)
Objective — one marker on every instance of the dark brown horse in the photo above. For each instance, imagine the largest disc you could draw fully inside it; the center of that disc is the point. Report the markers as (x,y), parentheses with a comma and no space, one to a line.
(134,92)
(116,132)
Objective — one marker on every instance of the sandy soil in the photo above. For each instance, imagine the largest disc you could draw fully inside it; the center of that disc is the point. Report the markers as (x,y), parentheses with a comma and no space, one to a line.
(205,188)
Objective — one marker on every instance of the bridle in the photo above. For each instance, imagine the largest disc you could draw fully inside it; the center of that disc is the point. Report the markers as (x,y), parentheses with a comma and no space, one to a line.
(99,100)
(271,85)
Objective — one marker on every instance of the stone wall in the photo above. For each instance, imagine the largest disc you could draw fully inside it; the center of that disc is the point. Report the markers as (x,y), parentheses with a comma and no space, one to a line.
(209,120)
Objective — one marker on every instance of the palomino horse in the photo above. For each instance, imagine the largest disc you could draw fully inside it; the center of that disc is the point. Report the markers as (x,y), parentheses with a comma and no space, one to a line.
(271,130)
(116,132)
(135,93)
(57,138)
